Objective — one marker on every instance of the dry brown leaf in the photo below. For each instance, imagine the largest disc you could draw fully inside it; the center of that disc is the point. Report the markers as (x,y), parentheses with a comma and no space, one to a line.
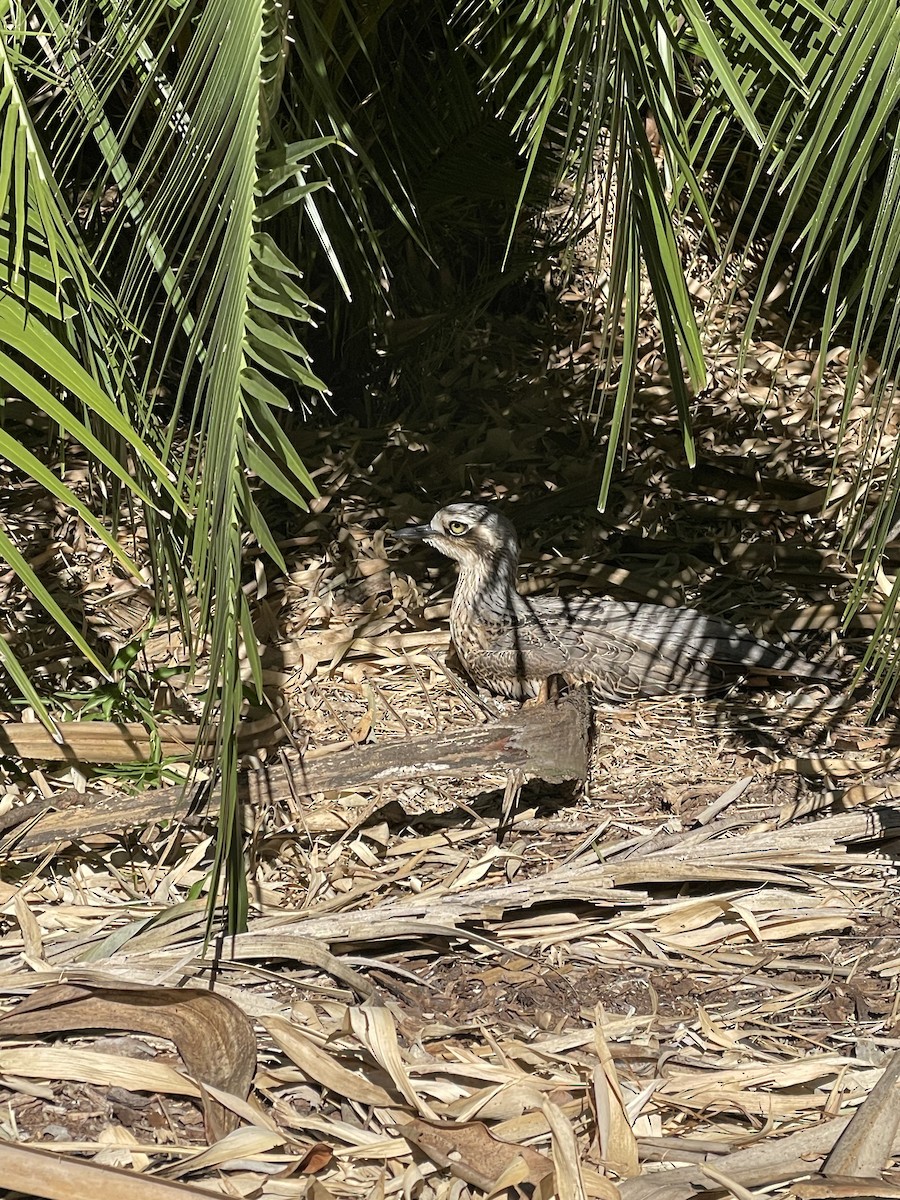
(317,1158)
(213,1036)
(471,1153)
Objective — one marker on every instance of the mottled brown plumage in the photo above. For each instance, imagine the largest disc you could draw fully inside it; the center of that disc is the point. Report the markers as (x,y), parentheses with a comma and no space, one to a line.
(512,644)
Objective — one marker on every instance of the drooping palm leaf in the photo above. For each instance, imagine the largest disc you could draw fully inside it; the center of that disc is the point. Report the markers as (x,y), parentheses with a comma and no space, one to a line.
(245,309)
(805,93)
(603,65)
(58,321)
(199,269)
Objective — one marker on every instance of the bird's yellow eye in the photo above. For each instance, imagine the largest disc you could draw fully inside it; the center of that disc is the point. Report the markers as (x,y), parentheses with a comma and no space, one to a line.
(457,528)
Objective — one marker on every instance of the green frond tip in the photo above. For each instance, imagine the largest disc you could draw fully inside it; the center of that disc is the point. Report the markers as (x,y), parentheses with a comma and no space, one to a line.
(26,690)
(32,582)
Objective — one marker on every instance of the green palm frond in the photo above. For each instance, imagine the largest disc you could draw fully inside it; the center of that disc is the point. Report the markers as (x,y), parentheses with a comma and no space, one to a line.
(794,107)
(597,69)
(235,296)
(197,272)
(58,322)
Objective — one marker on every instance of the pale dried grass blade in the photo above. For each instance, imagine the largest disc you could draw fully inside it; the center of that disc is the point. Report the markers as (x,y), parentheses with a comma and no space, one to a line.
(375,1029)
(618,1146)
(568,1180)
(846,1189)
(243,1143)
(120,1149)
(52,1177)
(93,1066)
(322,1068)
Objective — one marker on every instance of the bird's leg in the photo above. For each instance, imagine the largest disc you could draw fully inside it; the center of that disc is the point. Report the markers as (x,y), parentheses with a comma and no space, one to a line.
(549,690)
(543,695)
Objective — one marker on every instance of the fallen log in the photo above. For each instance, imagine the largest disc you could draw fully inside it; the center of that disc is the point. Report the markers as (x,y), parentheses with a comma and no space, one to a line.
(548,742)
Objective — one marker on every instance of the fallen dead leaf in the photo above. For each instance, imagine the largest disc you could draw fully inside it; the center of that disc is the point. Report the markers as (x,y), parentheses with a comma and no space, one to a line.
(471,1153)
(56,1177)
(212,1035)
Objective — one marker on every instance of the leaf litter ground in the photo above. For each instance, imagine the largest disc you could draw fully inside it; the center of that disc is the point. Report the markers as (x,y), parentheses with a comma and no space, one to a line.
(678,979)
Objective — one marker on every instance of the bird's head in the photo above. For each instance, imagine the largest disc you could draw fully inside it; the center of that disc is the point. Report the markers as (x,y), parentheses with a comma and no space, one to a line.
(473,534)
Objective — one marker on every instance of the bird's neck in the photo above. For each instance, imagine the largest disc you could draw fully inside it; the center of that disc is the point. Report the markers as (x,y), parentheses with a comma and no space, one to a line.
(487,589)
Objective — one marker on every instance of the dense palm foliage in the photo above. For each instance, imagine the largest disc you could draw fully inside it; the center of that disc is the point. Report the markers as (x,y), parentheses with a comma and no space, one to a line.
(178,177)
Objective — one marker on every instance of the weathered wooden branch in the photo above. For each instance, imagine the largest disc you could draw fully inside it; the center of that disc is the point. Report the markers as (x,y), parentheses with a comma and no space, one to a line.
(547,742)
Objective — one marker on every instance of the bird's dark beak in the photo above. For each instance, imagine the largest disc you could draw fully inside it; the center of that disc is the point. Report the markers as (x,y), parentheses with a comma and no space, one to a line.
(413,533)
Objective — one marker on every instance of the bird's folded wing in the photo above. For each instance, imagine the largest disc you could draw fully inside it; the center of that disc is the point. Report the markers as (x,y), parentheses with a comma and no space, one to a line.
(632,649)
